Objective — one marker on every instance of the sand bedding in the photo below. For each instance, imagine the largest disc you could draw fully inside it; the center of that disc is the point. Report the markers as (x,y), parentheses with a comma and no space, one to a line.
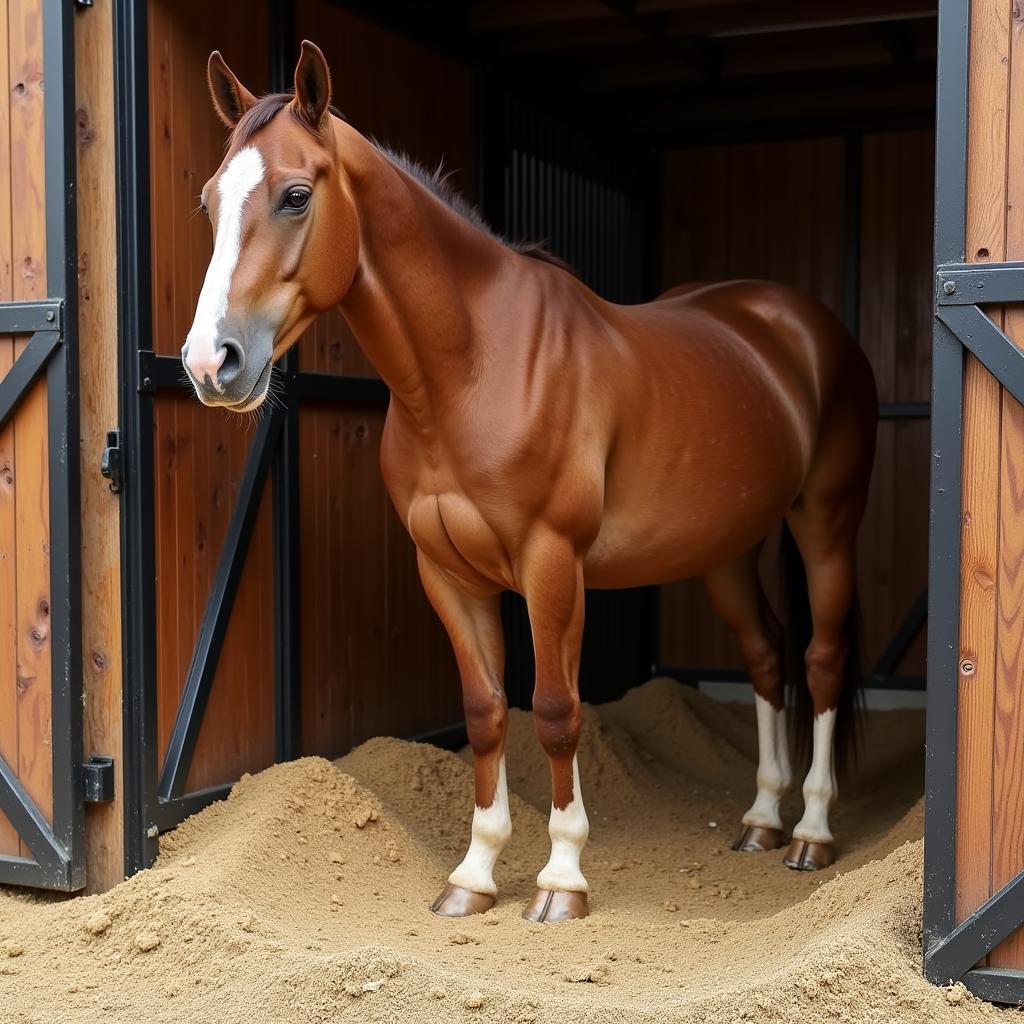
(304,896)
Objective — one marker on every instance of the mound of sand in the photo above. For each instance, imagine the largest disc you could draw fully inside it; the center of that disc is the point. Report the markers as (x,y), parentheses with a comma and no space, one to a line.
(304,896)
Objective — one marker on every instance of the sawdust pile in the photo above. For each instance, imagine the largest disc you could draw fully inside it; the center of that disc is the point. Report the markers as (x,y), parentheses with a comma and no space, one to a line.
(303,897)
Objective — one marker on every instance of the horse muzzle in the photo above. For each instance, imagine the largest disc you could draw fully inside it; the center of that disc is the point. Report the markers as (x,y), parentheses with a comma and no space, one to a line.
(227,373)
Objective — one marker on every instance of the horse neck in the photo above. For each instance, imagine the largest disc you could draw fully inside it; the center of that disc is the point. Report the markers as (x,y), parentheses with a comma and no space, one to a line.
(422,270)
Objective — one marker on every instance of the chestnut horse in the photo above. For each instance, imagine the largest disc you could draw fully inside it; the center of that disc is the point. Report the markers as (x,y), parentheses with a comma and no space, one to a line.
(542,440)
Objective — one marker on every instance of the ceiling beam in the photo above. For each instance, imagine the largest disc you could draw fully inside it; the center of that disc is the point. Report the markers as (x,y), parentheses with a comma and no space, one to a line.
(755,17)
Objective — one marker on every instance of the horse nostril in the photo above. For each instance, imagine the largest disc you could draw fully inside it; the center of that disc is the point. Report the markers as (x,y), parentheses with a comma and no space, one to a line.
(234,362)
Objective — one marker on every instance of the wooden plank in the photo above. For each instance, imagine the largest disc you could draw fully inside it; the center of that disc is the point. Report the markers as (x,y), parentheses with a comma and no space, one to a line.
(9,843)
(98,374)
(1008,719)
(31,495)
(986,240)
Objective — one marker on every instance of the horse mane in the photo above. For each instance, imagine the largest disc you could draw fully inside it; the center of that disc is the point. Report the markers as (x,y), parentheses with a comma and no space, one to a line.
(437,181)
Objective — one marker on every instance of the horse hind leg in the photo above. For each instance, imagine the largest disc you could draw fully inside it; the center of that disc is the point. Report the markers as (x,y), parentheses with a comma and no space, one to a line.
(825,537)
(736,594)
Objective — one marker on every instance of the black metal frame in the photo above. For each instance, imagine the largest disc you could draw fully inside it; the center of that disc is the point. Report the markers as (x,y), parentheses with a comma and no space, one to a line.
(952,950)
(58,850)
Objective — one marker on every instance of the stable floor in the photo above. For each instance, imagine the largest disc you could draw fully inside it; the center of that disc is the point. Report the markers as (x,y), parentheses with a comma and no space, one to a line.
(304,896)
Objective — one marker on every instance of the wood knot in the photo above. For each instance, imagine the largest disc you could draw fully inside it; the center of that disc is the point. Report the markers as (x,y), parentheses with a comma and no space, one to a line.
(7,477)
(37,637)
(44,608)
(983,578)
(20,90)
(29,269)
(83,127)
(99,660)
(361,432)
(23,683)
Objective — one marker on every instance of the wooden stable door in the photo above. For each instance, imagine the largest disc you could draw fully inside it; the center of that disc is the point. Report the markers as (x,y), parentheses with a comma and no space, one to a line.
(974,843)
(41,773)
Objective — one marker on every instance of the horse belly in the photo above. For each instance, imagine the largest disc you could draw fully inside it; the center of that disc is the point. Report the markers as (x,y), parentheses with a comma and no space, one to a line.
(666,524)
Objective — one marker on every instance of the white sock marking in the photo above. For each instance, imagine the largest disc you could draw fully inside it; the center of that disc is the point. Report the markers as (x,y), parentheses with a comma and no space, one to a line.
(774,774)
(568,829)
(492,827)
(820,784)
(240,177)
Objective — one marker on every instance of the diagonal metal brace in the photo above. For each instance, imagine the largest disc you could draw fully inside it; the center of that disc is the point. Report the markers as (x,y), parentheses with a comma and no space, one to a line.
(29,823)
(973,939)
(219,604)
(980,336)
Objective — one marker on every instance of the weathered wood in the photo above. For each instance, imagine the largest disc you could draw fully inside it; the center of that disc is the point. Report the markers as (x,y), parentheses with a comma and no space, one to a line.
(986,239)
(1008,720)
(98,398)
(31,491)
(8,539)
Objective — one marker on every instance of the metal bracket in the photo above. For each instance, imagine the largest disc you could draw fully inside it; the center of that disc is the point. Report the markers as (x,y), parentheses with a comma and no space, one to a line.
(98,779)
(111,463)
(975,284)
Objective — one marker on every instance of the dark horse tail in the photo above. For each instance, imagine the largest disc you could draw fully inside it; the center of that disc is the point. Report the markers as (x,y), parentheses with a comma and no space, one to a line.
(796,616)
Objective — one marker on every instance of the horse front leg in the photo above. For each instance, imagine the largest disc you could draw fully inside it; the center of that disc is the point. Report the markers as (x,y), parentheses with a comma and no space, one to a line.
(474,625)
(553,588)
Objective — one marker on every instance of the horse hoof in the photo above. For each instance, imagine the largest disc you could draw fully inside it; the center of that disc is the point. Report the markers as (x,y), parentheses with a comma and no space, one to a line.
(804,855)
(757,839)
(455,901)
(548,907)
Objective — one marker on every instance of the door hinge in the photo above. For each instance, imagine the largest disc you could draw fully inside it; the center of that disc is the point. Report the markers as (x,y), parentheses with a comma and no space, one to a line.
(98,778)
(111,465)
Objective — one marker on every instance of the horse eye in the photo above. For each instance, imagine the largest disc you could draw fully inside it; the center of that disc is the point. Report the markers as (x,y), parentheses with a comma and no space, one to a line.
(296,199)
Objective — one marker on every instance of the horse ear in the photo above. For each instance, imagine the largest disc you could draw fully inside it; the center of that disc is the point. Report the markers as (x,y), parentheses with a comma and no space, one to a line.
(312,85)
(231,99)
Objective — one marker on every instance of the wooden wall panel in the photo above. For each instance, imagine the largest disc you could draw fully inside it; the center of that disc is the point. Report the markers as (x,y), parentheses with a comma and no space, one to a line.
(1008,720)
(776,210)
(25,678)
(374,657)
(200,453)
(895,332)
(986,239)
(990,824)
(9,843)
(98,367)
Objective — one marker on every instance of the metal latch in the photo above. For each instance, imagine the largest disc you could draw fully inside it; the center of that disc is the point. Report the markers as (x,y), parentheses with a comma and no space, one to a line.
(98,775)
(110,461)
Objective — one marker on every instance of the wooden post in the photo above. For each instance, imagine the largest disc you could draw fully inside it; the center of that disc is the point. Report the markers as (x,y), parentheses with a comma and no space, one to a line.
(98,360)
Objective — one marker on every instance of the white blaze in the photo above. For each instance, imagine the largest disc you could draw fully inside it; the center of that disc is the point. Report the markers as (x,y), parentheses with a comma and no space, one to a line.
(568,829)
(240,177)
(492,827)
(773,770)
(820,784)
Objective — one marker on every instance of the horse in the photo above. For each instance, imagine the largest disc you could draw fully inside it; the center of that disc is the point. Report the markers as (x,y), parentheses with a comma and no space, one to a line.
(542,440)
